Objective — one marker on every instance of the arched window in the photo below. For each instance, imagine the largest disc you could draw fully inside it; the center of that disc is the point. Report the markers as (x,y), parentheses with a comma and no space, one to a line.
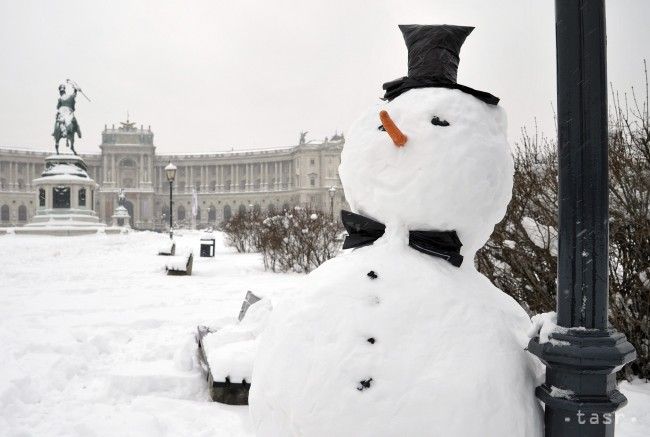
(41,197)
(180,215)
(242,209)
(257,209)
(271,209)
(286,206)
(165,211)
(22,213)
(198,213)
(212,214)
(227,213)
(4,213)
(82,197)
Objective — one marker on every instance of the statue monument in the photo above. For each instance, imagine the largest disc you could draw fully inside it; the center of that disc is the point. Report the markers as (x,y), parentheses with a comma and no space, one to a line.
(65,123)
(121,217)
(65,193)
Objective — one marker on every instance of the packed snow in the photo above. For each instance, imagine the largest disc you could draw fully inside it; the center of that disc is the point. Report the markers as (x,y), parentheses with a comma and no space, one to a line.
(231,349)
(98,341)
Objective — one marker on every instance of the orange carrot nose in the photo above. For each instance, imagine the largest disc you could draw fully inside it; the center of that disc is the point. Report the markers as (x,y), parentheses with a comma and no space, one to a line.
(391,128)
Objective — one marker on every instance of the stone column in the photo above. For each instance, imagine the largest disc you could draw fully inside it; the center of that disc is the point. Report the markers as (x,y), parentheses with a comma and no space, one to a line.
(113,170)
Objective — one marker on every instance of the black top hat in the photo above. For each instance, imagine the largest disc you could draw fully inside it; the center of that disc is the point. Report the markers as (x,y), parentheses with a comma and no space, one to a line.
(433,60)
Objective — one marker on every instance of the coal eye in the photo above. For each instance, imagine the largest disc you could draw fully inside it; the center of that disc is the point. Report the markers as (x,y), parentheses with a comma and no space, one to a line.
(381,127)
(437,122)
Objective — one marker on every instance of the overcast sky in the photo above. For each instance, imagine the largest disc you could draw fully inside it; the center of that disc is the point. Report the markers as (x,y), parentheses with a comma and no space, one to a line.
(211,75)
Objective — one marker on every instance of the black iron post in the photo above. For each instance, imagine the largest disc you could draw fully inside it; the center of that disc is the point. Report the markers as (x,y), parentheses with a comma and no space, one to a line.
(579,393)
(171,210)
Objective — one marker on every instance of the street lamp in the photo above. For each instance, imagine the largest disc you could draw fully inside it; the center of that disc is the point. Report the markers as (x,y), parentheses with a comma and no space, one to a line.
(332,193)
(170,171)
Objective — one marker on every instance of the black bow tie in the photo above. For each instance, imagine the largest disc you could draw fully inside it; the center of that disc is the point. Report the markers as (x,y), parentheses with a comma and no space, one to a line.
(363,231)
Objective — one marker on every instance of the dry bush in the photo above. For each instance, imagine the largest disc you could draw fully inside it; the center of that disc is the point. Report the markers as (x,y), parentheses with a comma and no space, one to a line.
(298,240)
(521,255)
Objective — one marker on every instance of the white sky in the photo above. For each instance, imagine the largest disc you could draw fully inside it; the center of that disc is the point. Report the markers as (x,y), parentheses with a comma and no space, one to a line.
(211,75)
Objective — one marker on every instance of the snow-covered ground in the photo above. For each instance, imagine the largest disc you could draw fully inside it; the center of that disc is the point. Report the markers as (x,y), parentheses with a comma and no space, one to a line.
(97,341)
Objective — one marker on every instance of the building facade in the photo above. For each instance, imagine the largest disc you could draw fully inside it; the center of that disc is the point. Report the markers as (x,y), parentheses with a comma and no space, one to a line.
(224,182)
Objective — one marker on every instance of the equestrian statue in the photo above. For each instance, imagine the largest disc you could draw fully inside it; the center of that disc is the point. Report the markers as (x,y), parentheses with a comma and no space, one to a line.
(65,125)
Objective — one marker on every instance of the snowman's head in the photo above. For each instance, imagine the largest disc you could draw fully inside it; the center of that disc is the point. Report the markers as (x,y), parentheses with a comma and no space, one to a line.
(453,172)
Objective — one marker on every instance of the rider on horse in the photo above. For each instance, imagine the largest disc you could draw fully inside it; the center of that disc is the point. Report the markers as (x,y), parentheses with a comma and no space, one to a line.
(65,125)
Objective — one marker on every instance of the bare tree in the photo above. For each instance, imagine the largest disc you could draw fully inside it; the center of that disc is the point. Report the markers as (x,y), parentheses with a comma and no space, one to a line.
(521,255)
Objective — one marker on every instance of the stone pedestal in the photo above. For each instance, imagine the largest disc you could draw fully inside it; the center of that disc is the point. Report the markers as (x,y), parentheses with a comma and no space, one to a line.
(121,217)
(65,195)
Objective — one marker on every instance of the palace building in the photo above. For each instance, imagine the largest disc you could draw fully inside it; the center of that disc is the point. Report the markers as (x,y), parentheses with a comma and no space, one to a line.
(225,183)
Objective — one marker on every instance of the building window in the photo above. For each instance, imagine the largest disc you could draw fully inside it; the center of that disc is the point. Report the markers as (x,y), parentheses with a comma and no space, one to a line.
(312,162)
(242,209)
(226,187)
(312,181)
(22,213)
(3,184)
(180,215)
(227,213)
(242,185)
(82,197)
(212,214)
(61,197)
(4,213)
(213,186)
(21,184)
(41,197)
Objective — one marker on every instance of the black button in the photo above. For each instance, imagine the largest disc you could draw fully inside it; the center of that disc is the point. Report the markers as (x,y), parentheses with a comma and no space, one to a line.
(372,274)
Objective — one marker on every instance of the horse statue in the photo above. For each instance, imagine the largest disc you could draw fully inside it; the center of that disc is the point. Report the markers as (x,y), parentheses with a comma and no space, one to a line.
(66,124)
(67,130)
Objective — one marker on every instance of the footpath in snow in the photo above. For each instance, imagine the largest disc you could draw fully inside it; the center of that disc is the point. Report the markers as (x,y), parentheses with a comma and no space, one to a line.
(98,341)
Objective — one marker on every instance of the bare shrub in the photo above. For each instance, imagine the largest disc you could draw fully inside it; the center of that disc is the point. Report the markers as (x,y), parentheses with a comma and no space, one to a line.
(298,240)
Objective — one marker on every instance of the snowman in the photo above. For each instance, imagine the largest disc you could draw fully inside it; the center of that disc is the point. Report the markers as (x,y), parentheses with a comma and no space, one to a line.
(401,336)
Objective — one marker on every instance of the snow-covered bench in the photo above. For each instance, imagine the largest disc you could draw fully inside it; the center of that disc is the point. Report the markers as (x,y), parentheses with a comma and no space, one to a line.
(226,354)
(180,264)
(167,249)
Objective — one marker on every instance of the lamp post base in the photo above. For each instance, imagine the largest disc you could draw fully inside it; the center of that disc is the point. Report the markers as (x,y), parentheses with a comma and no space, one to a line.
(579,393)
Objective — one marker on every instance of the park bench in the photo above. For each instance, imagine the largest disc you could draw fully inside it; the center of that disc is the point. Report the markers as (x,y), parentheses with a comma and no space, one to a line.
(222,388)
(180,265)
(167,249)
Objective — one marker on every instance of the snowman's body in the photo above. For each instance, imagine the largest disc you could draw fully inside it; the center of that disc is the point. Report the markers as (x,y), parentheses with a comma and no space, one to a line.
(425,348)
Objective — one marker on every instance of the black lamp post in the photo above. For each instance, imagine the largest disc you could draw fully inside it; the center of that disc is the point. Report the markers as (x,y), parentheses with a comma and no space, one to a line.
(170,171)
(587,351)
(332,193)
